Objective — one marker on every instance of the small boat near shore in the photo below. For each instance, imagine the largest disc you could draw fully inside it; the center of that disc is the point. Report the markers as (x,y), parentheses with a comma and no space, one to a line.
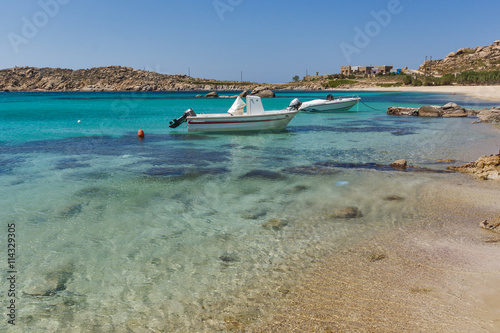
(236,119)
(330,104)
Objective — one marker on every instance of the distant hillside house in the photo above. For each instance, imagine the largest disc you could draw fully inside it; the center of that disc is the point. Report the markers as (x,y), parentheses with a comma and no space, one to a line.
(365,70)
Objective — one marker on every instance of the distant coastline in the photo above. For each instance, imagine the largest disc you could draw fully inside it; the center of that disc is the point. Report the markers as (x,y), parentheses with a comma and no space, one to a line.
(118,78)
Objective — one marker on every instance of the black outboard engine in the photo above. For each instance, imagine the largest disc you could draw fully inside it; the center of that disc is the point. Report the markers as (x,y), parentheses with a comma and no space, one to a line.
(294,104)
(176,122)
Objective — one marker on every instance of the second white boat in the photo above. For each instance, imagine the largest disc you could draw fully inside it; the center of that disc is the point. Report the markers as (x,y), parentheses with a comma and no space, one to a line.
(330,104)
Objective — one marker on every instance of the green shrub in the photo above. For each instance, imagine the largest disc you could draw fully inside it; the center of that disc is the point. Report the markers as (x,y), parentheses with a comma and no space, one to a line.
(407,79)
(336,83)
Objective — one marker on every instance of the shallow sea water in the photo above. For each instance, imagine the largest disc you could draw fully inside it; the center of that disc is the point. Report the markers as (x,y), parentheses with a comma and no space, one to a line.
(172,233)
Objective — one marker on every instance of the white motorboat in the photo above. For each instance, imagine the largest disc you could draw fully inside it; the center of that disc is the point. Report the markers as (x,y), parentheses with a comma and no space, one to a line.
(330,104)
(236,119)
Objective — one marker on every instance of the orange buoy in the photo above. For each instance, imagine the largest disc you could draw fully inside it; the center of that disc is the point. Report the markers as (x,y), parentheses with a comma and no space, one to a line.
(140,134)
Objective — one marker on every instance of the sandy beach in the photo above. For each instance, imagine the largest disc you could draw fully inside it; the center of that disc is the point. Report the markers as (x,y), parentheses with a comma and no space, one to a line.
(490,93)
(438,275)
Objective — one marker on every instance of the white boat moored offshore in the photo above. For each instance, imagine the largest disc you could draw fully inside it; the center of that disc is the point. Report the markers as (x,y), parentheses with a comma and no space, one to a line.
(236,119)
(330,104)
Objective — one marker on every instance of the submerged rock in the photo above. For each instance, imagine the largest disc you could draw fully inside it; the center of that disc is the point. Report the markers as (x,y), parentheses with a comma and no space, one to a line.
(311,170)
(486,167)
(347,213)
(229,258)
(493,225)
(52,282)
(275,224)
(71,211)
(253,214)
(393,198)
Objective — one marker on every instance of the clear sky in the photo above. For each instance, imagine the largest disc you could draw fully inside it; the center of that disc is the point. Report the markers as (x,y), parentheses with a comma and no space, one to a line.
(268,41)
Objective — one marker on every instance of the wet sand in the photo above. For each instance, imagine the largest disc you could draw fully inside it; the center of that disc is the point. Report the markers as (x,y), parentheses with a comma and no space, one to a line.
(439,274)
(490,93)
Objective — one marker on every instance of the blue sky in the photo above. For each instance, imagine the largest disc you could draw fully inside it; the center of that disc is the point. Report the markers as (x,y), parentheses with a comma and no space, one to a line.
(269,41)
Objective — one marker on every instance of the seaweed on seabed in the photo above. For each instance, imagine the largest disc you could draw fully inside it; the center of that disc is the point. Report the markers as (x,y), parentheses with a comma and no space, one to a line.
(53,282)
(71,211)
(262,174)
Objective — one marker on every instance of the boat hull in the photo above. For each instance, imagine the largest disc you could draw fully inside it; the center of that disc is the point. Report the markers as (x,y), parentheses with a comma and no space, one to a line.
(269,121)
(341,104)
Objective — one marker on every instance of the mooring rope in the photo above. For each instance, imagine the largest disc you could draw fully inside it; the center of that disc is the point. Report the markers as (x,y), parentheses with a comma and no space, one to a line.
(370,106)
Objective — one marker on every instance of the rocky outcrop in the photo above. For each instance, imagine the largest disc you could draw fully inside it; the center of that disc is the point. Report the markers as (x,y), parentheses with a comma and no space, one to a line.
(486,167)
(491,115)
(402,111)
(399,164)
(480,58)
(429,111)
(212,94)
(454,110)
(244,94)
(448,110)
(264,92)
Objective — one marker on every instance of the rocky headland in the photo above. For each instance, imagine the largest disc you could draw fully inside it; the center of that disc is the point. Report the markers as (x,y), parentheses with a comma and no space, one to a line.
(480,58)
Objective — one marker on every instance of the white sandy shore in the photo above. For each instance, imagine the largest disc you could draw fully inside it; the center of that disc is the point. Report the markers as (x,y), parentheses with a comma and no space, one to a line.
(490,93)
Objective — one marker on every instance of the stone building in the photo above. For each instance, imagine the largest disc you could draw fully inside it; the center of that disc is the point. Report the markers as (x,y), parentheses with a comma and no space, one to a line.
(365,70)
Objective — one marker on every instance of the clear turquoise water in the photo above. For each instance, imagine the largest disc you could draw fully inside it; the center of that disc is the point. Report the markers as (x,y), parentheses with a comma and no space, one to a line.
(117,234)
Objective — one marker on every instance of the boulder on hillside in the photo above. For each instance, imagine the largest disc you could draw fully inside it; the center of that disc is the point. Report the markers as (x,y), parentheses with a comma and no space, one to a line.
(263,92)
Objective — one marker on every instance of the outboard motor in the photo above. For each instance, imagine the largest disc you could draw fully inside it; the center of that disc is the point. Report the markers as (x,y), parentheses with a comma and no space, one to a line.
(176,122)
(295,104)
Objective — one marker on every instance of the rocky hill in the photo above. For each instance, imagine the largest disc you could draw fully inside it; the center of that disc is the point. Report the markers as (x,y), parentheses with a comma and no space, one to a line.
(480,58)
(111,78)
(118,78)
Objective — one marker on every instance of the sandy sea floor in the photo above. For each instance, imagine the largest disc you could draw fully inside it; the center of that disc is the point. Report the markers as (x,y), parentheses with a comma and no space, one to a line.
(439,274)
